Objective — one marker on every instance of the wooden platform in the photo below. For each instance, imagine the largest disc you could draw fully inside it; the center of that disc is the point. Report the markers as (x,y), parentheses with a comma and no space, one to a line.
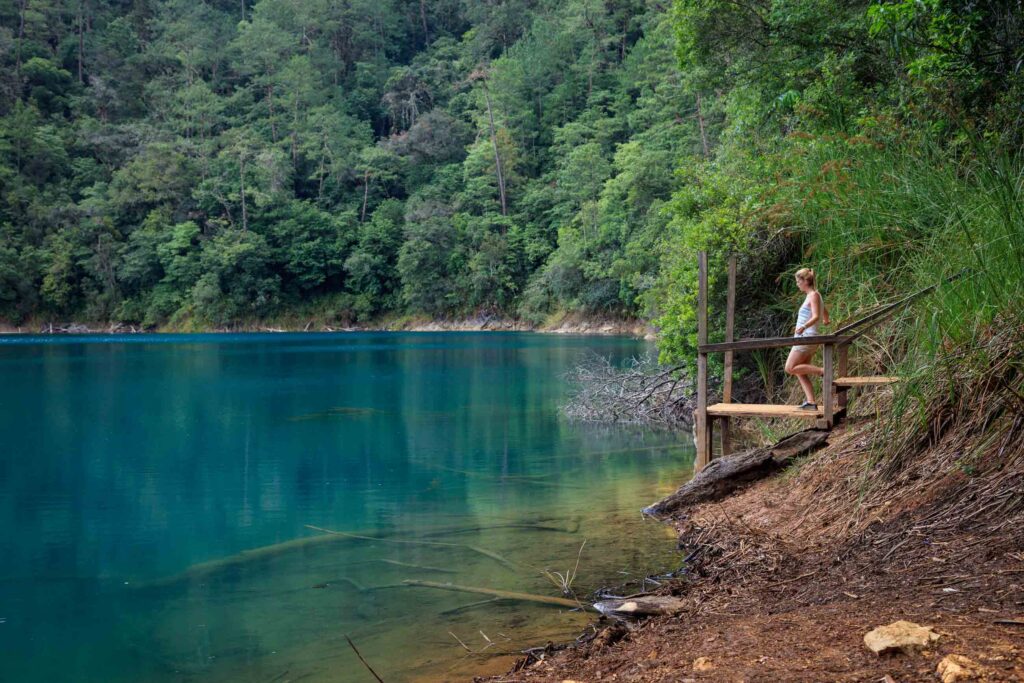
(864,381)
(763,410)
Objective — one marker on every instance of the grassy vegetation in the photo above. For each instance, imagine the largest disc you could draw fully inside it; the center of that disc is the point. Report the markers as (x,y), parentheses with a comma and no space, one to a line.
(878,143)
(882,220)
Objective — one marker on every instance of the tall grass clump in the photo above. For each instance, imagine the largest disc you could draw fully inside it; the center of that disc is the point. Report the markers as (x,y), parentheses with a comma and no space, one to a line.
(880,221)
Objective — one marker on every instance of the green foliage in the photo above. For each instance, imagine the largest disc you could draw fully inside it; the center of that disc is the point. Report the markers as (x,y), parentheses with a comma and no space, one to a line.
(871,141)
(201,163)
(206,163)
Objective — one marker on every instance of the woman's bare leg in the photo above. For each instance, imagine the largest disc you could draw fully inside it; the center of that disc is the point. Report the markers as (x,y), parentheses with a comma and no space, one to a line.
(808,369)
(797,366)
(808,388)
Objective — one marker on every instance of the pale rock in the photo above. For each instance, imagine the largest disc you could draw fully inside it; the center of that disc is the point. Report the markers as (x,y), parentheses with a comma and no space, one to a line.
(703,664)
(956,668)
(899,636)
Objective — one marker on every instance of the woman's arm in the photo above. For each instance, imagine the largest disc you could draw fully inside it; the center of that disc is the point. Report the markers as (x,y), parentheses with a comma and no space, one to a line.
(815,313)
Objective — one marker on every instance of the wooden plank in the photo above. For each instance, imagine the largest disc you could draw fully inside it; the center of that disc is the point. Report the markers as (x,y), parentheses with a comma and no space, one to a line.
(842,363)
(701,423)
(730,318)
(827,386)
(864,381)
(709,437)
(703,442)
(730,315)
(762,410)
(724,427)
(772,343)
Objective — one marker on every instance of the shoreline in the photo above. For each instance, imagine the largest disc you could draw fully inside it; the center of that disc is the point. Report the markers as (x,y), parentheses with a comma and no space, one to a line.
(784,577)
(564,324)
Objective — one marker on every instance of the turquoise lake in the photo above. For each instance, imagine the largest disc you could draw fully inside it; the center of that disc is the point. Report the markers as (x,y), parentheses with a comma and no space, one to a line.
(157,493)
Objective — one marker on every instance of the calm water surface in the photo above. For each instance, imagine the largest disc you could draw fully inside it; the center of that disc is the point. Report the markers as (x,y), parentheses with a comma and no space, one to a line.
(155,494)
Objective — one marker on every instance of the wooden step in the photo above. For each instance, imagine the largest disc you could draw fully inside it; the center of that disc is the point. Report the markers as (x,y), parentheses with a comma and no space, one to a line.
(864,381)
(763,410)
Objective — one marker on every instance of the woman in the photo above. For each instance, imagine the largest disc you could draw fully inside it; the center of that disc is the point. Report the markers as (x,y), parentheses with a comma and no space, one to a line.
(812,310)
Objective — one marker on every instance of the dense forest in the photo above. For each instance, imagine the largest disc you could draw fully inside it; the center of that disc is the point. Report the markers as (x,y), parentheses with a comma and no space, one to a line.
(191,163)
(186,164)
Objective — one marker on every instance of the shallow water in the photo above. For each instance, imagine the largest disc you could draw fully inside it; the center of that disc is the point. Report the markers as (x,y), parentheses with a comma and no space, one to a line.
(155,492)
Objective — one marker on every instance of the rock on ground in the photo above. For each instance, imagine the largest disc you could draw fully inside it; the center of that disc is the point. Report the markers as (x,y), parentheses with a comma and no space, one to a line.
(957,668)
(899,636)
(702,664)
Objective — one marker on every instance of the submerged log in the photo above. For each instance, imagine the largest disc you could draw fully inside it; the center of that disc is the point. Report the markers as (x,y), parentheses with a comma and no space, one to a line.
(421,567)
(209,568)
(640,607)
(500,594)
(204,570)
(724,475)
(475,548)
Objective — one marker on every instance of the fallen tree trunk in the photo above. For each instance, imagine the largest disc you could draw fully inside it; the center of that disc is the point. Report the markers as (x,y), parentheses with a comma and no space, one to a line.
(724,475)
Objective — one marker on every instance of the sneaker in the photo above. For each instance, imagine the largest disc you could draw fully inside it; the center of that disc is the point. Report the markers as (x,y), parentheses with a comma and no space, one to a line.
(807,405)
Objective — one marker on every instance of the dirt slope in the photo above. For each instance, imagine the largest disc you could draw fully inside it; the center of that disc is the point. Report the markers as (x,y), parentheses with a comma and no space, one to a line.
(786,577)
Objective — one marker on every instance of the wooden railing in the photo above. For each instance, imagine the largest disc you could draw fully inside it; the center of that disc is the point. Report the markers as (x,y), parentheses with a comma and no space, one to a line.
(836,347)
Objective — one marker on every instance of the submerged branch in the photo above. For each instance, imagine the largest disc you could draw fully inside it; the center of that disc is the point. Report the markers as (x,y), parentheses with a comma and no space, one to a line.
(643,392)
(477,549)
(500,594)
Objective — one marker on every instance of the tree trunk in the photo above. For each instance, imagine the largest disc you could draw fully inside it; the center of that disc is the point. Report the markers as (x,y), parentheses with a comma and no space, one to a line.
(270,110)
(241,177)
(22,6)
(81,40)
(321,174)
(700,120)
(423,18)
(497,154)
(366,194)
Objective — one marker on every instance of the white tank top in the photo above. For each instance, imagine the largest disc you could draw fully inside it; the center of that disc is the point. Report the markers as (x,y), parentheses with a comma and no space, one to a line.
(803,316)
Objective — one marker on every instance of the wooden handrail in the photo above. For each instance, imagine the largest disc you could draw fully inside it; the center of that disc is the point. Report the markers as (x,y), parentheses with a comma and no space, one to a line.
(844,335)
(774,343)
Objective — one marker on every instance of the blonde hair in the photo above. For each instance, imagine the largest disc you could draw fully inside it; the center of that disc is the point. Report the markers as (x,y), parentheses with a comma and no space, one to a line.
(807,275)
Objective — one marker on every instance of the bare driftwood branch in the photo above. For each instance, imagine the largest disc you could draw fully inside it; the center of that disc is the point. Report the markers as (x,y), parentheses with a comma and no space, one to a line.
(643,392)
(640,607)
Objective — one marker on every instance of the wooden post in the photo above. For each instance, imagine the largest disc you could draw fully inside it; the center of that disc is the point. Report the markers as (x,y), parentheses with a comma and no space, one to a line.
(842,370)
(827,385)
(730,314)
(703,442)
